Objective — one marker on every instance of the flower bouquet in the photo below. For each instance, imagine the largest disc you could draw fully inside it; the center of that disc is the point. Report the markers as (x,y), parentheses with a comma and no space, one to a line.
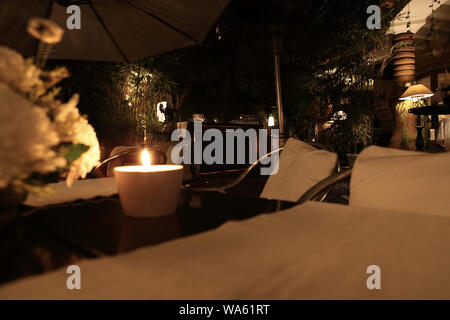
(42,138)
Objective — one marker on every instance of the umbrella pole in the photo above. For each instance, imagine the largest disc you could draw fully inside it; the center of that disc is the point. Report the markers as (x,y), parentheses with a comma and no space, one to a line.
(276,50)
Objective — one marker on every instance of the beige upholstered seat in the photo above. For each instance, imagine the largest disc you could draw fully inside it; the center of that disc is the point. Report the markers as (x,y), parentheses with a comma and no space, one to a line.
(400,180)
(301,167)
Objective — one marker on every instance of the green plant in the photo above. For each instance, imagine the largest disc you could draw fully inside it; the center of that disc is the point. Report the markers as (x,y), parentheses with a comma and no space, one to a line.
(338,74)
(121,98)
(354,132)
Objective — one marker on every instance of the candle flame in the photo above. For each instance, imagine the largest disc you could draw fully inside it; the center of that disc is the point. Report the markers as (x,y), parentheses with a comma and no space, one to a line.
(145,158)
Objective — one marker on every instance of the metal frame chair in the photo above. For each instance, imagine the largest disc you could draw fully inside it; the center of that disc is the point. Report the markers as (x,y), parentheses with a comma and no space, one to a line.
(222,189)
(317,192)
(126,152)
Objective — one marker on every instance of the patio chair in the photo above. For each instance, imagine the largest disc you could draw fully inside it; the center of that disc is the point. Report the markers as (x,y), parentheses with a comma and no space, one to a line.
(317,192)
(130,155)
(127,155)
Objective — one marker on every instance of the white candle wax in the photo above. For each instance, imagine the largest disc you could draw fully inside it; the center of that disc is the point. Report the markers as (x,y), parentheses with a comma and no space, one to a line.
(149,190)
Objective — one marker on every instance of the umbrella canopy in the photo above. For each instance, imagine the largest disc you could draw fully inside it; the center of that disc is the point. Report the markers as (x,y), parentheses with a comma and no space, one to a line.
(113,30)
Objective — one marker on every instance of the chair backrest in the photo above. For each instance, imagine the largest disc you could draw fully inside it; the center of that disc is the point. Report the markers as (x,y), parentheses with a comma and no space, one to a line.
(127,155)
(283,187)
(160,153)
(301,166)
(131,155)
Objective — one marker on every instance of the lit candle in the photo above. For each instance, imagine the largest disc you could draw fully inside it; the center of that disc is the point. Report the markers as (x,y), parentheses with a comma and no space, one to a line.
(145,158)
(149,190)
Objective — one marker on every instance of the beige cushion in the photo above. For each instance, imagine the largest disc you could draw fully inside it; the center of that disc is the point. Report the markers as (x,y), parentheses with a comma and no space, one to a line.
(311,251)
(375,151)
(301,167)
(402,180)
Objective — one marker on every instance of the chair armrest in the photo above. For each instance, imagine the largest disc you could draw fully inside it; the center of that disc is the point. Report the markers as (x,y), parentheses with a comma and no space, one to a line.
(102,165)
(319,188)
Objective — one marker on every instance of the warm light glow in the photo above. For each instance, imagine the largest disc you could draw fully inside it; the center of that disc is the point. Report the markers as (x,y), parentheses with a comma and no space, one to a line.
(152,168)
(145,158)
(416,92)
(271,121)
(147,166)
(160,107)
(339,115)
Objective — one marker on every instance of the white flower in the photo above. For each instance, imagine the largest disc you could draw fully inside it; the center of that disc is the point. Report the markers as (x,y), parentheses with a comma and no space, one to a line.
(17,73)
(29,79)
(11,66)
(27,139)
(74,128)
(33,124)
(45,30)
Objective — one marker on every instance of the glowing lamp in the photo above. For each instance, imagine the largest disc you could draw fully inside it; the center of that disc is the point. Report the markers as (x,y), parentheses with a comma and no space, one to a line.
(416,93)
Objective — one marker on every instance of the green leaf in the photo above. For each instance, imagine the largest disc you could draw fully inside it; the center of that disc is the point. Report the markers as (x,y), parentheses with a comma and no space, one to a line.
(73,151)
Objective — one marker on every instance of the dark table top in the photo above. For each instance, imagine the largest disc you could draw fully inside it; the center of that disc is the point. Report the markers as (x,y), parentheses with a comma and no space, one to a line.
(55,236)
(430,110)
(100,227)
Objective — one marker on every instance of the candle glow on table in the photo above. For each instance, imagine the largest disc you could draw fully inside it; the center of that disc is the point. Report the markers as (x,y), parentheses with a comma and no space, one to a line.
(147,166)
(149,190)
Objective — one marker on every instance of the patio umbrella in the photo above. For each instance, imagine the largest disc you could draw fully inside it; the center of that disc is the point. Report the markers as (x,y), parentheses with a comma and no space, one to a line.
(113,30)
